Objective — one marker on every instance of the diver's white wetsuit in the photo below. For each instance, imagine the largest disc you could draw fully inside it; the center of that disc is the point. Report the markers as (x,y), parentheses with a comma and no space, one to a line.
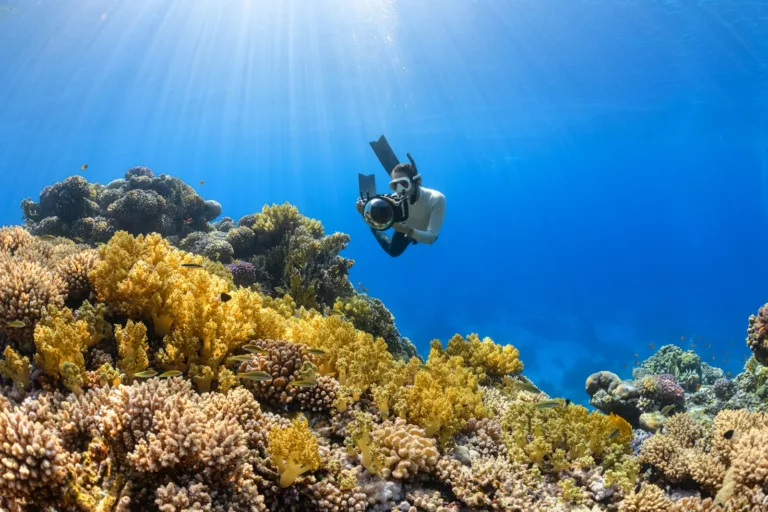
(426,215)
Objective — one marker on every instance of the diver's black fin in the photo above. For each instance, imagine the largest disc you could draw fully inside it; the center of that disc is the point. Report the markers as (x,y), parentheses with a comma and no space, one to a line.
(385,154)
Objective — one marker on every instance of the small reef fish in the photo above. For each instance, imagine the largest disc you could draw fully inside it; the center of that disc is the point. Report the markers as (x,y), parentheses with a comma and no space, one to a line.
(258,376)
(170,373)
(83,167)
(637,363)
(566,403)
(613,433)
(698,386)
(316,352)
(255,350)
(46,237)
(636,355)
(17,324)
(202,182)
(146,374)
(682,338)
(243,358)
(280,290)
(303,383)
(78,239)
(626,365)
(665,410)
(187,221)
(729,434)
(652,346)
(525,386)
(191,265)
(335,312)
(549,404)
(729,375)
(225,297)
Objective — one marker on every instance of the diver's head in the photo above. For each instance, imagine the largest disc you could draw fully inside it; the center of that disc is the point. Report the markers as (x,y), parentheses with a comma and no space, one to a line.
(405,180)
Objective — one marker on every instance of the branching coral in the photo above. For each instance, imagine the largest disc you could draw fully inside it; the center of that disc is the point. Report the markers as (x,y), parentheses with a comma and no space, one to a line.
(294,451)
(26,289)
(486,359)
(74,270)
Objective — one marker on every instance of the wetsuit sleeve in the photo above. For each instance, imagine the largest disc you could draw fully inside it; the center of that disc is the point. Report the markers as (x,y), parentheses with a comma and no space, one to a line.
(436,216)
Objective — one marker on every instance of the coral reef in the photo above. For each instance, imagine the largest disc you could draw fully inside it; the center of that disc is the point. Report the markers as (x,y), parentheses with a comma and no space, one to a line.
(140,203)
(147,375)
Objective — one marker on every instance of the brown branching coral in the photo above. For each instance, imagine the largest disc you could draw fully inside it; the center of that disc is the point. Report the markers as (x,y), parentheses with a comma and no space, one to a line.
(26,290)
(679,454)
(650,498)
(74,270)
(33,460)
(289,363)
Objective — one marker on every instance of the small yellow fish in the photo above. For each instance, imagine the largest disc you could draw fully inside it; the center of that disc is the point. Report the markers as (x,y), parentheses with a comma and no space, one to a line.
(303,383)
(100,244)
(255,375)
(83,167)
(191,265)
(17,324)
(46,237)
(335,312)
(243,358)
(280,290)
(665,410)
(316,352)
(549,404)
(78,239)
(255,350)
(613,433)
(146,374)
(170,373)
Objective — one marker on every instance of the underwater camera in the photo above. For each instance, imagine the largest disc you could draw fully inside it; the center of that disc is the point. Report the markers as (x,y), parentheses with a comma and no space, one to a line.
(381,211)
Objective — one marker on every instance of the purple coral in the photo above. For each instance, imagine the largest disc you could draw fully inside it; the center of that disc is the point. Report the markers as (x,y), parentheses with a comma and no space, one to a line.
(638,438)
(757,335)
(243,273)
(723,389)
(671,392)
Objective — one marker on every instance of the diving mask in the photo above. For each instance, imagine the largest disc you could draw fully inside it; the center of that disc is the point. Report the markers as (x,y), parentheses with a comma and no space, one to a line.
(403,185)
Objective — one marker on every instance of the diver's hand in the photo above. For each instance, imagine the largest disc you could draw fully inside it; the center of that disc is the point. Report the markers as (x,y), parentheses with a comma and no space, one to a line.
(400,227)
(360,204)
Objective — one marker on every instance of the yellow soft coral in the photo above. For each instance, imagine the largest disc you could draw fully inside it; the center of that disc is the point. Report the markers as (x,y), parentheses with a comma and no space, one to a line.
(444,396)
(16,368)
(571,437)
(294,450)
(354,357)
(132,348)
(143,278)
(361,437)
(486,358)
(61,341)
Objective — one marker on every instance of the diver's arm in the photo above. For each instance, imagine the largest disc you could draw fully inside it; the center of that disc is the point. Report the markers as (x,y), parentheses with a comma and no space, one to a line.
(436,217)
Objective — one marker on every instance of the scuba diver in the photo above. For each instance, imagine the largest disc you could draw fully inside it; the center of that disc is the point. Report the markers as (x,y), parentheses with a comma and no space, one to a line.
(415,212)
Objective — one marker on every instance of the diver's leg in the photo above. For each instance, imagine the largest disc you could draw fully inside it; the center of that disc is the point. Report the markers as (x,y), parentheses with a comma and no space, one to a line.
(393,246)
(399,244)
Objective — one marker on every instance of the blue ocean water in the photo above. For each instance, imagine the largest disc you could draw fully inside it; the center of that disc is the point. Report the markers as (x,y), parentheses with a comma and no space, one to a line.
(604,163)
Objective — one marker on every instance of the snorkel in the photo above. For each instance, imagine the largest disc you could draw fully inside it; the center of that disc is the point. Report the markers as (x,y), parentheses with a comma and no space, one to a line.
(404,186)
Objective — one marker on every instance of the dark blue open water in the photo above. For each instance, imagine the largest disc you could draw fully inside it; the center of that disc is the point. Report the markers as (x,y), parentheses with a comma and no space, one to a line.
(605,162)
